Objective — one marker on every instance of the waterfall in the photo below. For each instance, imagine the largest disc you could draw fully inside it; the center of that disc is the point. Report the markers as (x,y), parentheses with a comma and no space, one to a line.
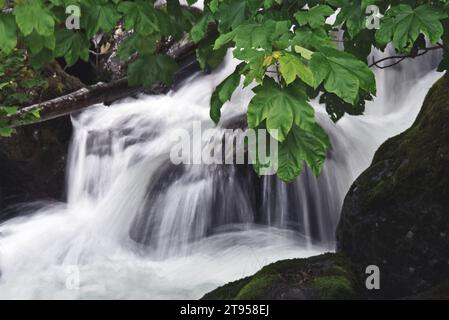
(137,226)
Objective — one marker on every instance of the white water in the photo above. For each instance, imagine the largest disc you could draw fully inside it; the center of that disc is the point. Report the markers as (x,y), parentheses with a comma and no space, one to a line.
(198,227)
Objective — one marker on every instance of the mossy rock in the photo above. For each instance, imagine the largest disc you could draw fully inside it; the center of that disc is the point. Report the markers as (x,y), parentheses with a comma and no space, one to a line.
(328,276)
(439,292)
(33,160)
(396,214)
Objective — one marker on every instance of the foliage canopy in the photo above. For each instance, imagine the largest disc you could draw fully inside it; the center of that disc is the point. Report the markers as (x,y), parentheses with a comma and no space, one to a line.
(286,48)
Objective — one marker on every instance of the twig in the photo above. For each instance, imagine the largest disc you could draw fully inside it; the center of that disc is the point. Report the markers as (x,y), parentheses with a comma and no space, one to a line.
(402,57)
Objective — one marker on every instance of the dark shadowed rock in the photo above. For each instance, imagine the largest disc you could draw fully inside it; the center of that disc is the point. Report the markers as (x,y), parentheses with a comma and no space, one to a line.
(396,214)
(32,161)
(438,292)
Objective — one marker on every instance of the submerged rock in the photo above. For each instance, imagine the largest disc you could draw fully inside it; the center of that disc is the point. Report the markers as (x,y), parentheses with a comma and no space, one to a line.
(323,277)
(396,214)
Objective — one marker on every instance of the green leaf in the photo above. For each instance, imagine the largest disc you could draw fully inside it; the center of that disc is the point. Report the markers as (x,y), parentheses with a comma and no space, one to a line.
(255,69)
(8,110)
(223,40)
(37,42)
(34,83)
(231,14)
(41,58)
(403,24)
(8,33)
(299,146)
(336,107)
(167,27)
(255,35)
(140,16)
(99,18)
(144,45)
(223,93)
(360,45)
(352,14)
(199,30)
(291,66)
(315,17)
(342,74)
(72,46)
(206,55)
(305,53)
(32,15)
(280,107)
(312,39)
(6,132)
(147,70)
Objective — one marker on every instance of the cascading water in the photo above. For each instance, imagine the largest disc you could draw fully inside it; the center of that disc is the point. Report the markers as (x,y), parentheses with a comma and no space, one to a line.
(137,226)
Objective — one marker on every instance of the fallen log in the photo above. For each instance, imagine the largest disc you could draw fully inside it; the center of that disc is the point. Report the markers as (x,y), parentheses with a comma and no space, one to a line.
(183,52)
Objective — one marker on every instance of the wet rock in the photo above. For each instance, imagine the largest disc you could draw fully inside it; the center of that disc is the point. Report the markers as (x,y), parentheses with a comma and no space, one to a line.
(33,161)
(438,292)
(109,65)
(396,212)
(328,276)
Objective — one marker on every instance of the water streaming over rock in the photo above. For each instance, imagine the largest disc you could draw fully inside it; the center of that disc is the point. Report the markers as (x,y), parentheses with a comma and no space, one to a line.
(137,226)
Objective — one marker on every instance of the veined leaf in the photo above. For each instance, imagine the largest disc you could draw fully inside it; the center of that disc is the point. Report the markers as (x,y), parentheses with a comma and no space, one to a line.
(342,74)
(315,17)
(230,14)
(302,146)
(199,30)
(280,107)
(255,69)
(223,93)
(148,70)
(140,16)
(144,45)
(305,53)
(72,46)
(255,35)
(32,15)
(291,66)
(403,24)
(99,17)
(313,39)
(352,14)
(8,33)
(206,55)
(37,42)
(6,132)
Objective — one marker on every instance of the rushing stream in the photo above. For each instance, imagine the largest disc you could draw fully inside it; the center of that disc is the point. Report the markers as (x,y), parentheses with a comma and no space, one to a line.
(137,226)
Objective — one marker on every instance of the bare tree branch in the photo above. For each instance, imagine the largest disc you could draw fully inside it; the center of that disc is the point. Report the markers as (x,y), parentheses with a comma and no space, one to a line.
(402,57)
(101,92)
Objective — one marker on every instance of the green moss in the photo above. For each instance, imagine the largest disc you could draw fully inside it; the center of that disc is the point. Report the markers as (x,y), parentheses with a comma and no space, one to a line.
(334,287)
(258,288)
(227,292)
(327,276)
(404,191)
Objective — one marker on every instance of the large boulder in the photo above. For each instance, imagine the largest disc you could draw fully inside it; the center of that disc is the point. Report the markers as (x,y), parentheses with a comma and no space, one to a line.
(396,214)
(324,277)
